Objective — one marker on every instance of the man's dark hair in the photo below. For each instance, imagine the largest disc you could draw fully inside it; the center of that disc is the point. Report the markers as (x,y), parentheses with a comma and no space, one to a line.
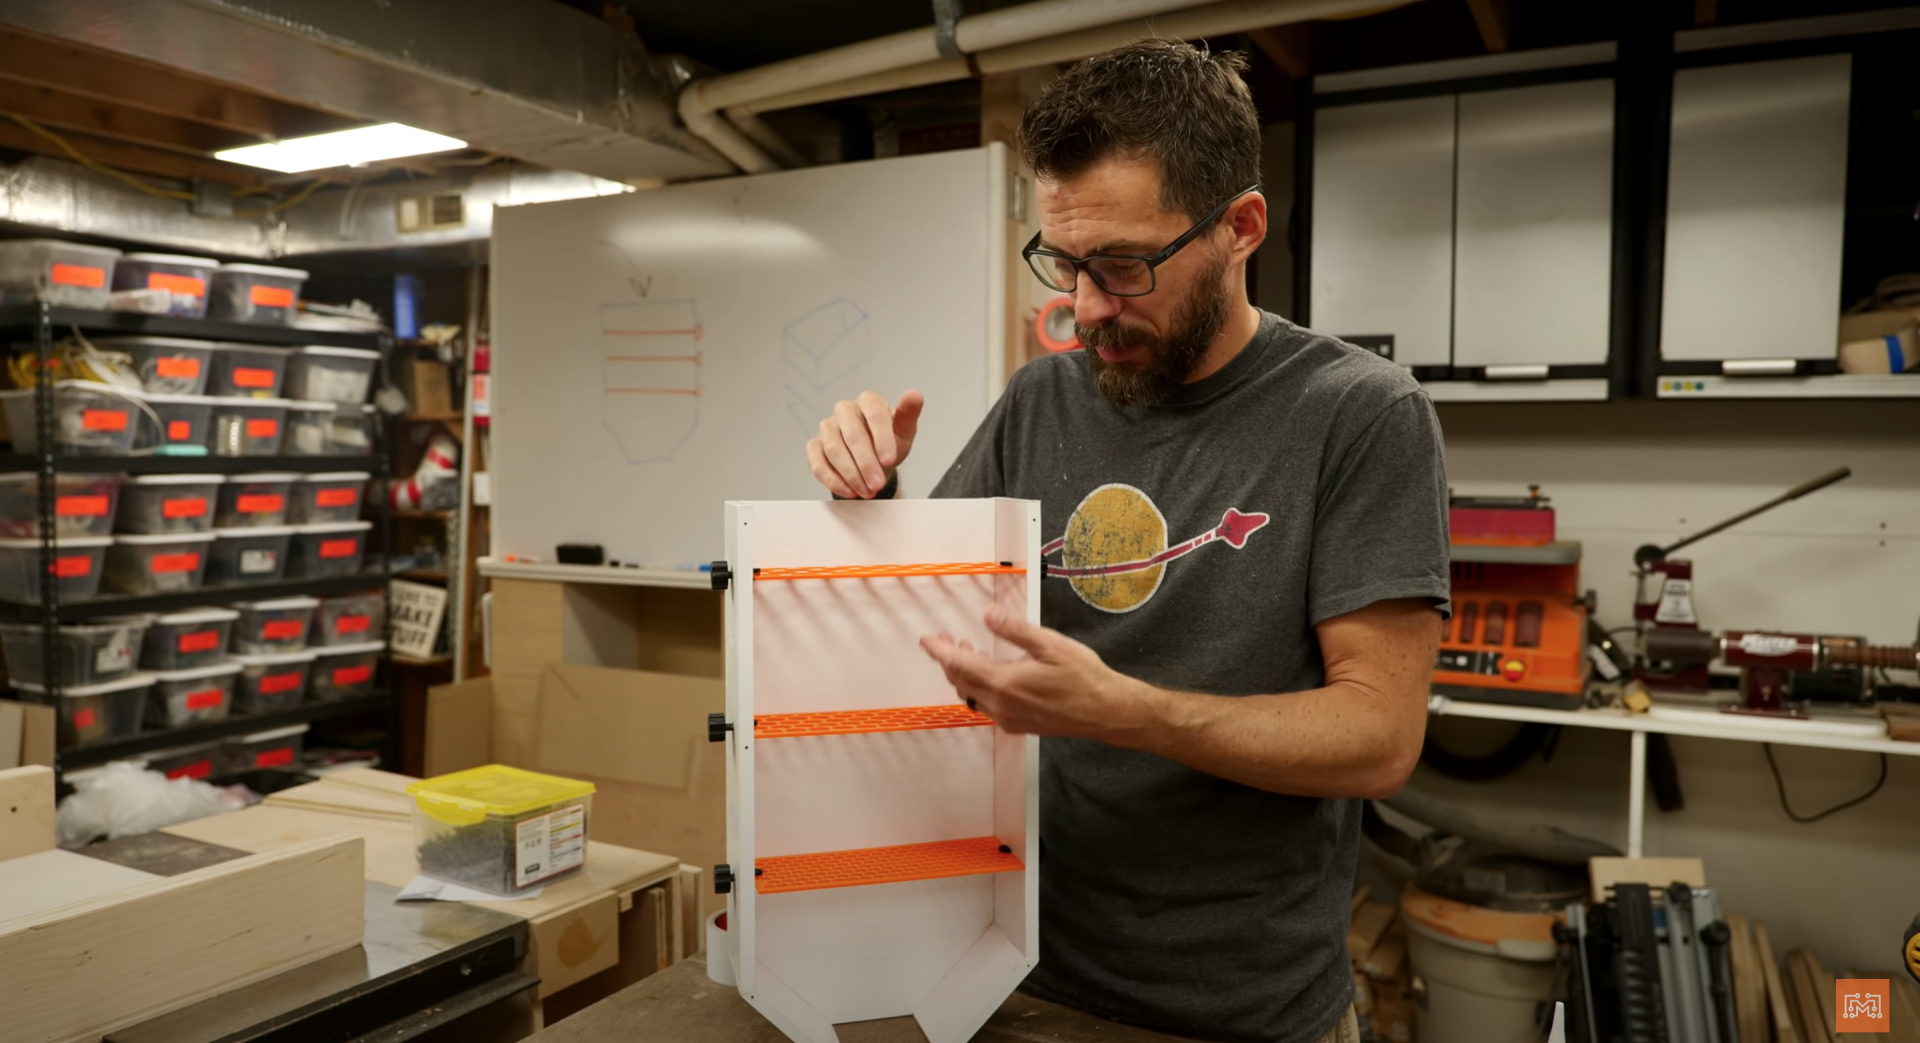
(1179,105)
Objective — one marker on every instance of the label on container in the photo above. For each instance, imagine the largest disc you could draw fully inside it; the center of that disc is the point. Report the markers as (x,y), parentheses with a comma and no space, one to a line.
(185,284)
(116,654)
(248,377)
(347,675)
(279,758)
(550,844)
(261,504)
(184,507)
(196,770)
(185,561)
(336,497)
(85,717)
(353,624)
(185,368)
(254,562)
(199,641)
(270,296)
(103,419)
(283,629)
(273,684)
(204,700)
(79,275)
(179,430)
(346,548)
(263,427)
(72,568)
(80,506)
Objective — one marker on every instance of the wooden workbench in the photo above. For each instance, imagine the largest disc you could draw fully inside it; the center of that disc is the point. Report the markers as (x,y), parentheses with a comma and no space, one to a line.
(682,1005)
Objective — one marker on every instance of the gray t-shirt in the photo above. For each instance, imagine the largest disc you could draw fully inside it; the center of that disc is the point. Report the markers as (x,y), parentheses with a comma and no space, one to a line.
(1194,546)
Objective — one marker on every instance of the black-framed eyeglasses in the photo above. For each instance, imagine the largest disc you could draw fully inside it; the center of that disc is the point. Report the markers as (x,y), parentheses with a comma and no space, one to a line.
(1117,275)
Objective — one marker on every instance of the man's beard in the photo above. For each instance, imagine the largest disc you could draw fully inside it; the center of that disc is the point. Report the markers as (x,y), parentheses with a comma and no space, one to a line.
(1169,361)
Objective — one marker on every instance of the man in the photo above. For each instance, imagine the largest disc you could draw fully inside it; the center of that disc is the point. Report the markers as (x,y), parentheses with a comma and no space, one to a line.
(1242,604)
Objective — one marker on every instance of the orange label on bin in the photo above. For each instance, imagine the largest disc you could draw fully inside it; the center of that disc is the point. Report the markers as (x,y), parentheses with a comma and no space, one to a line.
(185,561)
(196,770)
(353,624)
(186,284)
(103,419)
(263,428)
(80,506)
(185,368)
(205,700)
(336,497)
(179,430)
(279,758)
(276,683)
(200,641)
(79,275)
(346,548)
(261,504)
(248,377)
(184,507)
(282,629)
(72,568)
(347,675)
(85,717)
(271,296)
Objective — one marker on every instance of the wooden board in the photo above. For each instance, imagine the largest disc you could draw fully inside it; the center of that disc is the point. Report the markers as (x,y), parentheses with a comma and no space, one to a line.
(1369,923)
(75,973)
(1384,961)
(26,811)
(46,880)
(1784,1029)
(1906,1009)
(1816,1017)
(693,919)
(528,625)
(1749,983)
(1654,872)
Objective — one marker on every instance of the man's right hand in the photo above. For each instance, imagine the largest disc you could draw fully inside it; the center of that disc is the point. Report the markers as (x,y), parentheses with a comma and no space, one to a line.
(859,446)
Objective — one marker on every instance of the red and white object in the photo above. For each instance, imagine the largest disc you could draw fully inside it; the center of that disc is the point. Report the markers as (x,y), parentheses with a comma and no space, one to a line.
(200,695)
(55,271)
(183,640)
(249,555)
(270,627)
(255,293)
(83,504)
(345,671)
(183,278)
(77,565)
(161,503)
(438,465)
(278,749)
(167,365)
(351,619)
(247,426)
(165,564)
(254,499)
(271,683)
(247,371)
(97,713)
(327,550)
(900,857)
(329,498)
(482,378)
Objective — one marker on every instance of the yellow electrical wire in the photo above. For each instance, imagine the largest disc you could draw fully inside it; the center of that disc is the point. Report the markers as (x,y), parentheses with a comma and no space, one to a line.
(163,193)
(285,204)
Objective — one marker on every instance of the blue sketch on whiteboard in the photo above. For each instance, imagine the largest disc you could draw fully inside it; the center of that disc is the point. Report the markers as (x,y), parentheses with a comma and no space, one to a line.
(651,373)
(824,356)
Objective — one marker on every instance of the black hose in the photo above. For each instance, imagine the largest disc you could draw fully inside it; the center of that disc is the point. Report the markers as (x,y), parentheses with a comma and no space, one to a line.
(1500,763)
(1542,842)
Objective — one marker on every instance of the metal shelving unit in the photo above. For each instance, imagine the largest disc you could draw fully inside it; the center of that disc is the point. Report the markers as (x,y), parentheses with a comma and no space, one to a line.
(39,324)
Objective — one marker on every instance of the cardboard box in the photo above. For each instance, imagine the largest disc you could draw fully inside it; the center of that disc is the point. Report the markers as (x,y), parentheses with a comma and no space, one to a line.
(425,381)
(1879,342)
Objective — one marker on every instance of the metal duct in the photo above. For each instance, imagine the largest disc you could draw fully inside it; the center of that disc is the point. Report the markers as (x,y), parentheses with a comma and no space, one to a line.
(527,78)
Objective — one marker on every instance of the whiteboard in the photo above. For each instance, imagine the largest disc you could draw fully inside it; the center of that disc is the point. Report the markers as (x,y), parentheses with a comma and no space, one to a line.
(658,353)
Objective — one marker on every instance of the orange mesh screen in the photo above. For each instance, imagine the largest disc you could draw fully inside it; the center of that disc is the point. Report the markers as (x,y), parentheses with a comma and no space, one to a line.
(883,865)
(958,568)
(856,722)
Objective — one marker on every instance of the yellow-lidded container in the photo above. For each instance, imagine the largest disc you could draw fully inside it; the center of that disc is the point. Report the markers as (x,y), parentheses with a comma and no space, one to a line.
(501,829)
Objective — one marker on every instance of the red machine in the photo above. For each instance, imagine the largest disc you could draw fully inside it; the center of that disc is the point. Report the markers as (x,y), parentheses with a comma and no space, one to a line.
(1519,627)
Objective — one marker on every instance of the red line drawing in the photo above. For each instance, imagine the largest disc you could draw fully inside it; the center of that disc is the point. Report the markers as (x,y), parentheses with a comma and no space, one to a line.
(654,391)
(694,333)
(1234,528)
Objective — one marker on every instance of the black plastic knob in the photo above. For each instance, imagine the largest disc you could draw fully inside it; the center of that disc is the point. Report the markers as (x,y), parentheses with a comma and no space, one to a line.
(722,575)
(717,727)
(722,879)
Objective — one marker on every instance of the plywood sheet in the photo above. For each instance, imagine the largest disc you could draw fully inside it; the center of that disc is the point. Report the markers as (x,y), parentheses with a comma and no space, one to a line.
(26,811)
(1778,1003)
(630,725)
(46,880)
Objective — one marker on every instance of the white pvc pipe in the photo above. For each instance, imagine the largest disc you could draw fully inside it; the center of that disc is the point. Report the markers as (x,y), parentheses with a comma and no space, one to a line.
(944,71)
(723,136)
(759,133)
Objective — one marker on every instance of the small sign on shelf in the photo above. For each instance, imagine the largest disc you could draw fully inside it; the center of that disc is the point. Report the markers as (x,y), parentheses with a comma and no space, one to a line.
(417,613)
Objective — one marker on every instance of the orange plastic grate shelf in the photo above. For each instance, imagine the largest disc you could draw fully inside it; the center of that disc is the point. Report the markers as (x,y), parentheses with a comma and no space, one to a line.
(958,568)
(860,722)
(883,865)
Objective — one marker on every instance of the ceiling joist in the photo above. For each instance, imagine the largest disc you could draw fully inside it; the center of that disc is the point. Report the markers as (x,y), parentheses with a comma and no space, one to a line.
(1495,21)
(89,73)
(113,120)
(123,156)
(1290,47)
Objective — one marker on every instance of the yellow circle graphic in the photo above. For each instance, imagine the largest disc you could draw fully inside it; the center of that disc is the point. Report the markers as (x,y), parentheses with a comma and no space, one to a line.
(1114,525)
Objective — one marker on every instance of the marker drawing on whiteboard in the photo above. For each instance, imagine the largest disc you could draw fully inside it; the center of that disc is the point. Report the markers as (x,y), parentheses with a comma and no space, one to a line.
(651,359)
(824,358)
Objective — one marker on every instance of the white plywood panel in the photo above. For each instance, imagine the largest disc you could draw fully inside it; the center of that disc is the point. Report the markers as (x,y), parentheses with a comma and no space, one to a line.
(1383,225)
(845,792)
(658,353)
(1756,207)
(1534,254)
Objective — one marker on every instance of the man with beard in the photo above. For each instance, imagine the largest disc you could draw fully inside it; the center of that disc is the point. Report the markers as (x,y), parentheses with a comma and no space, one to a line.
(1244,598)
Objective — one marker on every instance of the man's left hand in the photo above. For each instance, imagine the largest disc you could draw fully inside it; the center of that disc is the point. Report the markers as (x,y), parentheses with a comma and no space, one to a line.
(1060,688)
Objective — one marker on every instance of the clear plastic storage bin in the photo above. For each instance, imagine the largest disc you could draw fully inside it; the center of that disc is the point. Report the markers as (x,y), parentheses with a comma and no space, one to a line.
(89,419)
(272,627)
(199,761)
(89,653)
(324,374)
(307,427)
(276,748)
(163,564)
(97,713)
(183,640)
(184,278)
(200,695)
(255,293)
(351,433)
(271,683)
(247,426)
(72,275)
(168,503)
(348,619)
(181,425)
(247,371)
(83,504)
(251,555)
(167,365)
(332,549)
(329,498)
(254,499)
(77,567)
(344,671)
(501,829)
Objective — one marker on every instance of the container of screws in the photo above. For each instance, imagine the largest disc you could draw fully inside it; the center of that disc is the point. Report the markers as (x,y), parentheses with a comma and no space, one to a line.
(500,829)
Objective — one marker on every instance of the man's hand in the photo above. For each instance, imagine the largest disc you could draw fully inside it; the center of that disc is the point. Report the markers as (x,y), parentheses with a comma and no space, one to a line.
(1061,688)
(859,446)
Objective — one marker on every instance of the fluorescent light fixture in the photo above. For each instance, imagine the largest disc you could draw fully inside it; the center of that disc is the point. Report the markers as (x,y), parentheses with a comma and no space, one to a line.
(342,148)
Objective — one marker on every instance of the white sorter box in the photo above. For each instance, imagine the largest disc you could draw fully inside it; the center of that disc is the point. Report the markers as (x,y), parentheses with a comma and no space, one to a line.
(857,784)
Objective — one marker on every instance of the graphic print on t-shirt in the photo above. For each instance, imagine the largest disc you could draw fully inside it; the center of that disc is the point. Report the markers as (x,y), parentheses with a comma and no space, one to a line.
(1115,549)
